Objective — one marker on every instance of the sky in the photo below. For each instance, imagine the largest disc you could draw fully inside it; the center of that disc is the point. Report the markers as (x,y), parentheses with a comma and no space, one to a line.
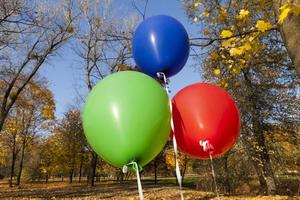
(63,77)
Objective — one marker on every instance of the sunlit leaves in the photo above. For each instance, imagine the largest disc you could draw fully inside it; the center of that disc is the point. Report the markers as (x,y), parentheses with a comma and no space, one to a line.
(226,34)
(288,8)
(217,71)
(243,14)
(236,51)
(263,26)
(204,14)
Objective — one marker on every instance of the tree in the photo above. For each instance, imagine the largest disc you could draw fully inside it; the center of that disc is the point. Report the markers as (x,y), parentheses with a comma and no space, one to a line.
(72,141)
(246,56)
(32,32)
(103,47)
(182,158)
(31,112)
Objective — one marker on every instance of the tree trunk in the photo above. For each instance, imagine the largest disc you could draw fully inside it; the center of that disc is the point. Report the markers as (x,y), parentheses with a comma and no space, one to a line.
(92,171)
(290,33)
(47,178)
(184,167)
(71,175)
(14,156)
(260,150)
(258,170)
(21,162)
(263,156)
(227,181)
(80,169)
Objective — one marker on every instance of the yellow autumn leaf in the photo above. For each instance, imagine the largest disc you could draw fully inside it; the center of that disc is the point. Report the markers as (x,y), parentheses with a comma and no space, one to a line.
(236,51)
(251,38)
(196,4)
(204,14)
(217,71)
(223,15)
(236,70)
(284,13)
(263,26)
(247,46)
(243,14)
(226,44)
(288,8)
(226,34)
(214,55)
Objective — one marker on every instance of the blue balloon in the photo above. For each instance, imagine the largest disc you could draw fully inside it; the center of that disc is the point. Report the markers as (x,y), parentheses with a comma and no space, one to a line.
(160,44)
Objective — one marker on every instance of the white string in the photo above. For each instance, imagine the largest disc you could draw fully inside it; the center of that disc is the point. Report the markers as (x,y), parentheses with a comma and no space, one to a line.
(178,174)
(177,169)
(207,147)
(138,178)
(213,173)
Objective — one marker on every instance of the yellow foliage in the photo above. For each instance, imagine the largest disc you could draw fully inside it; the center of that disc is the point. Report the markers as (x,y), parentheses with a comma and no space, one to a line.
(170,159)
(217,71)
(236,51)
(196,4)
(288,8)
(214,55)
(223,15)
(226,33)
(284,13)
(263,26)
(247,46)
(243,14)
(204,14)
(226,44)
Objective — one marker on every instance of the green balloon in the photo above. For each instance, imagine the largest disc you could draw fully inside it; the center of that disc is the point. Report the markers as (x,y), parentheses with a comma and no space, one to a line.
(126,118)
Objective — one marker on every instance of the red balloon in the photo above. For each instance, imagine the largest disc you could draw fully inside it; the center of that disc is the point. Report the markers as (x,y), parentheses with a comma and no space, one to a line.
(206,120)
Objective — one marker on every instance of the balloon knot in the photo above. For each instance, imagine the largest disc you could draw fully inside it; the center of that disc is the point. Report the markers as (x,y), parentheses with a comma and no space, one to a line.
(207,147)
(163,80)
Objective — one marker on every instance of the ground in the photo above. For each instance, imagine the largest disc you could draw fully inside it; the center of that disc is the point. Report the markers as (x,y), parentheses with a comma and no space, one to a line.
(112,190)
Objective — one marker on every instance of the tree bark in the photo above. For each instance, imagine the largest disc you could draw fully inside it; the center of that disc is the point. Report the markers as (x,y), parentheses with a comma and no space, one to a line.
(14,156)
(290,33)
(80,169)
(268,185)
(71,175)
(227,181)
(92,171)
(267,171)
(21,162)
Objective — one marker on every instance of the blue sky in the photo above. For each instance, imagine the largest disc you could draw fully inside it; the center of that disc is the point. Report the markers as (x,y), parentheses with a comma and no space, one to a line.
(63,76)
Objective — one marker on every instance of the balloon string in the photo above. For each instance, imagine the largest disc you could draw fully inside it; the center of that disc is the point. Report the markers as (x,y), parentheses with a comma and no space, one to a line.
(138,178)
(178,174)
(162,76)
(214,177)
